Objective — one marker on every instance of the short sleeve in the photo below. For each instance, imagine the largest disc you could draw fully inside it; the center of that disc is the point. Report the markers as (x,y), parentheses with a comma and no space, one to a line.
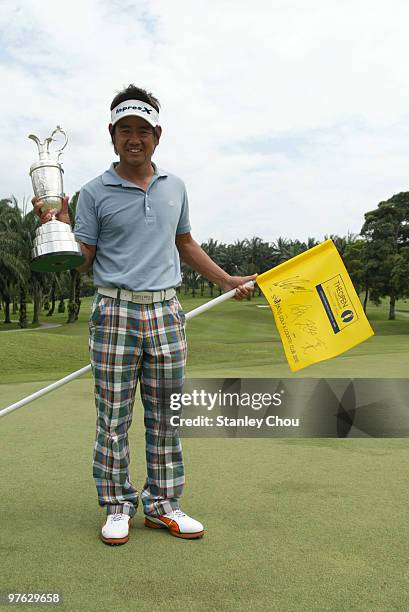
(86,228)
(184,222)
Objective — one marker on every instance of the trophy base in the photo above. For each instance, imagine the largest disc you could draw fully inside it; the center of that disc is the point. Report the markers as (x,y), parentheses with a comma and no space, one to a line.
(57,262)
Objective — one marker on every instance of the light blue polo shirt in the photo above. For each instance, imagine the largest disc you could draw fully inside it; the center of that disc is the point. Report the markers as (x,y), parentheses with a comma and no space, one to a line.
(134,231)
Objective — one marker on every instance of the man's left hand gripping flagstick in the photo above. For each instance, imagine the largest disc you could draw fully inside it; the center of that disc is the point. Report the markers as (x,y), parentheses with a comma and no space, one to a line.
(70,377)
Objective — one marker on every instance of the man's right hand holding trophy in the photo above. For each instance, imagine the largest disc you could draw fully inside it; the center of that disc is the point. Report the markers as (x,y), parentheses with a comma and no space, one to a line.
(62,215)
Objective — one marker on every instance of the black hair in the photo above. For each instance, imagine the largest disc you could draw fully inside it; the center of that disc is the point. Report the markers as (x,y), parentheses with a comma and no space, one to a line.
(135,93)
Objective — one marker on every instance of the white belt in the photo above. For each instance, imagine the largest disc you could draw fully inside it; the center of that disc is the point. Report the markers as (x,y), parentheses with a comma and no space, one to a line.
(139,297)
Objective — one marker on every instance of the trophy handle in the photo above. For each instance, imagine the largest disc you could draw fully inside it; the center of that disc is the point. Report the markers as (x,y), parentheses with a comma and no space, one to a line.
(49,140)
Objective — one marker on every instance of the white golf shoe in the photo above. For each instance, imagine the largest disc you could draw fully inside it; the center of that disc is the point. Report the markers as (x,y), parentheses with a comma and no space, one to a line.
(178,524)
(116,529)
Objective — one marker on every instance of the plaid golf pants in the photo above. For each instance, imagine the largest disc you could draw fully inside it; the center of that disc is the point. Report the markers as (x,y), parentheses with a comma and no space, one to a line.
(130,342)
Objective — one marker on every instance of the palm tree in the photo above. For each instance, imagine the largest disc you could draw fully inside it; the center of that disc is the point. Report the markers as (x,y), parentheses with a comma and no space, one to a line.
(281,249)
(311,242)
(7,272)
(15,248)
(74,302)
(295,248)
(211,248)
(56,289)
(37,283)
(12,272)
(342,242)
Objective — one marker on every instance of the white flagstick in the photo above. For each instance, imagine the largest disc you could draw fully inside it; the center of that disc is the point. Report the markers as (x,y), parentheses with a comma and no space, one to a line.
(215,301)
(66,379)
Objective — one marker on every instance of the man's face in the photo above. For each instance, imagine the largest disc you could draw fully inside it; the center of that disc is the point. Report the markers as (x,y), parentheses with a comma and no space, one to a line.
(135,140)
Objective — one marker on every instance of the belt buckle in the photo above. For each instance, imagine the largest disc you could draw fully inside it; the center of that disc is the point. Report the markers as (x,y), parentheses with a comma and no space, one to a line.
(141,299)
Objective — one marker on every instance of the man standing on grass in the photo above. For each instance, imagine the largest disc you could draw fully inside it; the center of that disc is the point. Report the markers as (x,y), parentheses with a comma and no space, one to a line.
(132,223)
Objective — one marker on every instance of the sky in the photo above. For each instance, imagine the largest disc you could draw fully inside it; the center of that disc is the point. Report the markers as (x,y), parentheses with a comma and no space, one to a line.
(283,118)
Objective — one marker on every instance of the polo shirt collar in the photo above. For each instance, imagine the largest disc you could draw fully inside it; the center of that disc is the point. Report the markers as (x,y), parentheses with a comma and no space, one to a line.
(111,177)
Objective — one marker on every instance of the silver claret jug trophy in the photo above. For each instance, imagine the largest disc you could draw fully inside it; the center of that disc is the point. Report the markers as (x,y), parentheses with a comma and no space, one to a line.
(54,248)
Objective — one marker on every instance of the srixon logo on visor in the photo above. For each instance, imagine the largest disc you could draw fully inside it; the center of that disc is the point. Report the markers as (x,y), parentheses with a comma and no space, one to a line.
(143,109)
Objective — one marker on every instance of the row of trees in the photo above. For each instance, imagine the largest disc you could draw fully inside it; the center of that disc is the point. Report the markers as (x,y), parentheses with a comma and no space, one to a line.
(18,283)
(377,260)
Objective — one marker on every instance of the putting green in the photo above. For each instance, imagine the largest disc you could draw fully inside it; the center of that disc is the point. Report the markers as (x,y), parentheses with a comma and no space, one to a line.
(306,524)
(291,524)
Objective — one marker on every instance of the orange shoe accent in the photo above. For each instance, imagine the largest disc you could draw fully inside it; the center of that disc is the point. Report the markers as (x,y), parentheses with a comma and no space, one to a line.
(187,536)
(114,541)
(149,523)
(173,528)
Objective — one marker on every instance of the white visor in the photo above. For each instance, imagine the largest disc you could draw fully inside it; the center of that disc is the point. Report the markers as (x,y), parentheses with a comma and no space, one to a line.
(135,107)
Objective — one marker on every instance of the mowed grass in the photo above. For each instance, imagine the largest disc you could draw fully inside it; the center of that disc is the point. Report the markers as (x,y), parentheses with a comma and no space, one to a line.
(235,339)
(292,524)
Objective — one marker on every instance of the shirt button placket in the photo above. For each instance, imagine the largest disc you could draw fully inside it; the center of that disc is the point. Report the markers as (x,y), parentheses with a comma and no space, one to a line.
(149,216)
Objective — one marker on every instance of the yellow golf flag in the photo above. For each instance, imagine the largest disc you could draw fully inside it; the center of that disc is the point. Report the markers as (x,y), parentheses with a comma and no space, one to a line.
(316,308)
